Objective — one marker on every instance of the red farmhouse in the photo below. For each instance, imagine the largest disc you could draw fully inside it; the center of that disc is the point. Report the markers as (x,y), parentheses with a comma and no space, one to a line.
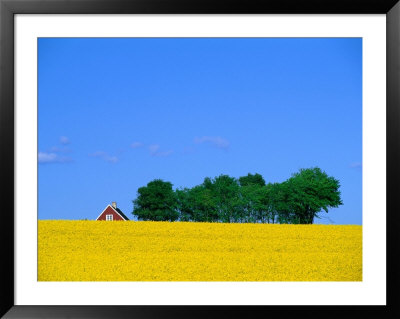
(111,212)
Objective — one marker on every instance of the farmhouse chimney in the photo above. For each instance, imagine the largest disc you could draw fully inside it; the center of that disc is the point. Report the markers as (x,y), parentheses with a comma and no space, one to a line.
(114,204)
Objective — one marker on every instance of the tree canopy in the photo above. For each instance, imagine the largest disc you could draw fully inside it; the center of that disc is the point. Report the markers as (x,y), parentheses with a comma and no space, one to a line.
(156,201)
(311,191)
(248,199)
(251,179)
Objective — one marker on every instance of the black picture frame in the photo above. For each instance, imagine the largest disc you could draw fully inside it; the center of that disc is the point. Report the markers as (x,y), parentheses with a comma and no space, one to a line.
(8,8)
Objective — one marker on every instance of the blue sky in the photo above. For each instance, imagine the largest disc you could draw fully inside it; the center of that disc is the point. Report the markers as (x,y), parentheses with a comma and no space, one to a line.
(114,114)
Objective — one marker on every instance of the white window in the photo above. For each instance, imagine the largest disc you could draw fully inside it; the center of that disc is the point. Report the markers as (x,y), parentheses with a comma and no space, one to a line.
(109,217)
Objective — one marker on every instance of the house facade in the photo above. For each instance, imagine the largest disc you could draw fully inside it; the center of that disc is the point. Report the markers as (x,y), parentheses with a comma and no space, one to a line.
(112,212)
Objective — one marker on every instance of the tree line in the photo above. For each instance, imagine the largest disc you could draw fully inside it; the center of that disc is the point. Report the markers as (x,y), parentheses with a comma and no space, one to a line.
(248,199)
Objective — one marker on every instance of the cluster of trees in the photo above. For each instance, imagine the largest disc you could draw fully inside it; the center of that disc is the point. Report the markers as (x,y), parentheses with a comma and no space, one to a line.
(298,200)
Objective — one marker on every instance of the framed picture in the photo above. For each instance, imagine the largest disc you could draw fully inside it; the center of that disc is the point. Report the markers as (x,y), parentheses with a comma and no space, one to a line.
(222,130)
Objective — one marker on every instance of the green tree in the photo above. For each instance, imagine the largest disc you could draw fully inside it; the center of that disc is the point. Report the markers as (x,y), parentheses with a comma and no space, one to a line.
(156,201)
(225,191)
(254,203)
(253,196)
(197,204)
(279,204)
(183,204)
(306,194)
(297,200)
(251,179)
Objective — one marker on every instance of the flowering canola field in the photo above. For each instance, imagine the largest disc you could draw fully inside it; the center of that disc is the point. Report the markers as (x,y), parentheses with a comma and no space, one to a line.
(184,251)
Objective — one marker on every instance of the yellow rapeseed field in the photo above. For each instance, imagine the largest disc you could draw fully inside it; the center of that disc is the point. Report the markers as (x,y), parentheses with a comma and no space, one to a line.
(183,251)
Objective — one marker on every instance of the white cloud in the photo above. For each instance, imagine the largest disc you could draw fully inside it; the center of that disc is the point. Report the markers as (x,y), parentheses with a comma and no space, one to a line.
(155,151)
(111,159)
(216,141)
(104,156)
(136,144)
(53,155)
(62,149)
(154,148)
(44,157)
(64,140)
(356,165)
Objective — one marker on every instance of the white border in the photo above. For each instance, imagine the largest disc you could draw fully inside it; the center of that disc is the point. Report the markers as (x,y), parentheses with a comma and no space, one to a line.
(372,28)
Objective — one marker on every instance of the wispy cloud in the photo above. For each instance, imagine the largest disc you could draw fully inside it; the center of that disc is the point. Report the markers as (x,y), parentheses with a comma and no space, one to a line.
(104,156)
(53,155)
(136,144)
(356,165)
(216,141)
(155,151)
(57,149)
(154,148)
(64,140)
(44,158)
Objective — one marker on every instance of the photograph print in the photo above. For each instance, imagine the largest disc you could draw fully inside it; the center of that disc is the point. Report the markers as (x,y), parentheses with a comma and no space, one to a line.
(200,159)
